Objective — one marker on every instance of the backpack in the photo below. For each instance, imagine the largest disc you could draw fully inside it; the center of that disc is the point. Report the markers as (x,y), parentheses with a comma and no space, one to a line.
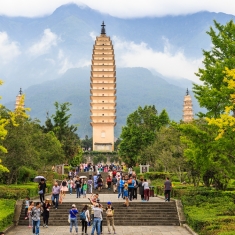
(109,212)
(130,181)
(83,215)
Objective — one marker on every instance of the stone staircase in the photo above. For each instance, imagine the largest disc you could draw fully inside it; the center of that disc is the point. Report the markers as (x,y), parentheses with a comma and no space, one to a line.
(139,213)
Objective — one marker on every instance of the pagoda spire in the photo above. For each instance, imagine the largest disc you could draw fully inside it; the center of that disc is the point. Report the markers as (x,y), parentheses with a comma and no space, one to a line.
(103,28)
(187,92)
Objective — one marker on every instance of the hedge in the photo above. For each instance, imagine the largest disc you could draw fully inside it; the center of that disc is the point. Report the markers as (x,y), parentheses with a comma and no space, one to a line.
(7,208)
(21,191)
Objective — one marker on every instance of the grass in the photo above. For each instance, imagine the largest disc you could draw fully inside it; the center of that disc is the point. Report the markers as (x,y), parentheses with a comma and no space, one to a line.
(7,207)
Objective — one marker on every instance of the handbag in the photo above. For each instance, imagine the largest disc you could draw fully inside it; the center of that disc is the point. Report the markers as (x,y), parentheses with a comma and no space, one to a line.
(40,192)
(69,218)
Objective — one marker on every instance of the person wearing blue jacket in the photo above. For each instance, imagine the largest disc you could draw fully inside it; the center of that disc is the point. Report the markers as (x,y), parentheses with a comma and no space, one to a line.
(131,185)
(73,218)
(121,187)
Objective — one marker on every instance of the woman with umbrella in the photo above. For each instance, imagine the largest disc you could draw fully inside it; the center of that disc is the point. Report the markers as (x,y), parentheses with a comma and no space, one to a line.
(41,187)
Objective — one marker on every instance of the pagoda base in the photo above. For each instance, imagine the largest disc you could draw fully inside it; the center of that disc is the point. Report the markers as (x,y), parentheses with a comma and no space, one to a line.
(103,147)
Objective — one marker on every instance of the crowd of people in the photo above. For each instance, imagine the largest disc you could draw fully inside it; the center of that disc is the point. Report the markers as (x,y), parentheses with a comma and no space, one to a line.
(126,185)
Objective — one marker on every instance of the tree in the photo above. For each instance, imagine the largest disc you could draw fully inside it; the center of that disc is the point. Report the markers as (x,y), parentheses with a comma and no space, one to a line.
(212,161)
(226,122)
(87,144)
(140,132)
(166,152)
(65,133)
(29,146)
(214,93)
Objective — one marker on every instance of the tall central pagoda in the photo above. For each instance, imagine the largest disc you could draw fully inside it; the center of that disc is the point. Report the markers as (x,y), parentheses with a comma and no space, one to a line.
(103,93)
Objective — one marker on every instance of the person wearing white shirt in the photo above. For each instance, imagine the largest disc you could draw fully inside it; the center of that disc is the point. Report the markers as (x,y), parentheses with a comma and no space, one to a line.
(145,184)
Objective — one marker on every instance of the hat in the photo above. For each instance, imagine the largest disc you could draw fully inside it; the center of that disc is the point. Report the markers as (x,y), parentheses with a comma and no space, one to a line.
(47,199)
(74,205)
(109,203)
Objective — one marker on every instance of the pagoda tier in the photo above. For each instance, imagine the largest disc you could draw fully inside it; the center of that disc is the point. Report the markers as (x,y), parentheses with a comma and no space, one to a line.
(103,93)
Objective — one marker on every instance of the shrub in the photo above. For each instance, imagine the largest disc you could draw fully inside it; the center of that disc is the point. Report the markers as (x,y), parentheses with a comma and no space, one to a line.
(21,191)
(26,174)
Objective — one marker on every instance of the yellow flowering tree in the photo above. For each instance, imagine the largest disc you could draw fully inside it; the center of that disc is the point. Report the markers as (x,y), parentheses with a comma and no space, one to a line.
(3,133)
(226,121)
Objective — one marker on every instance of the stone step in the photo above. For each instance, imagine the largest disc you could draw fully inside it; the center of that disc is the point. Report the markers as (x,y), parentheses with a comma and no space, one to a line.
(141,213)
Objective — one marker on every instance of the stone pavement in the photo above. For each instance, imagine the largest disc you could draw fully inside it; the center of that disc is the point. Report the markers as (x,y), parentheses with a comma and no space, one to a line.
(127,230)
(105,198)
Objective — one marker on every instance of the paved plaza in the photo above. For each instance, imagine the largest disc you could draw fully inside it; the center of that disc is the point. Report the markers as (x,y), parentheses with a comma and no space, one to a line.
(127,230)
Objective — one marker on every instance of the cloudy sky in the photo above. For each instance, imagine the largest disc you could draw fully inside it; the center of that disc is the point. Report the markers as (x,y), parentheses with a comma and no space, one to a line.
(129,53)
(119,8)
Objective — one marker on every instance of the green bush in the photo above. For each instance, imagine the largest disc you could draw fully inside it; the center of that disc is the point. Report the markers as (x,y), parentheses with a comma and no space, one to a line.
(7,208)
(26,174)
(21,191)
(154,175)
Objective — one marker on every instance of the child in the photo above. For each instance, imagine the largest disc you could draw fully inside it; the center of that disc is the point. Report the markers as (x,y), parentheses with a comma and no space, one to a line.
(84,188)
(26,207)
(125,194)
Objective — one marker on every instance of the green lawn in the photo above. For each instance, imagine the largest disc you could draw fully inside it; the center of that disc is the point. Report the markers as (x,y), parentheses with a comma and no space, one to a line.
(7,207)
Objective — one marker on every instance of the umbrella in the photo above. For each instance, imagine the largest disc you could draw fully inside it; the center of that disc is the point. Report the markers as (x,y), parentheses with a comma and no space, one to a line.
(38,178)
(82,177)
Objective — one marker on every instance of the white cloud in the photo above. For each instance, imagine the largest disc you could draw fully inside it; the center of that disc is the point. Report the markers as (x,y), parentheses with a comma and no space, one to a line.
(130,54)
(48,40)
(93,35)
(8,49)
(65,63)
(119,8)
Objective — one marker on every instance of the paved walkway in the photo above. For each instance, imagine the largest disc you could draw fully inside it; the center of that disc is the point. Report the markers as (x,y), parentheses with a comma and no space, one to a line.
(105,198)
(127,230)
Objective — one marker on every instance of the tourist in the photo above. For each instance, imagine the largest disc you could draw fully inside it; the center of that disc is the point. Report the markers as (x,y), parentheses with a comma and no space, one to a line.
(145,184)
(130,171)
(110,216)
(78,187)
(35,214)
(73,218)
(114,181)
(89,183)
(100,183)
(31,206)
(64,186)
(95,177)
(125,195)
(26,208)
(131,184)
(135,188)
(42,189)
(101,220)
(109,182)
(46,208)
(167,187)
(121,187)
(141,189)
(85,217)
(55,195)
(2,233)
(84,188)
(97,219)
(70,185)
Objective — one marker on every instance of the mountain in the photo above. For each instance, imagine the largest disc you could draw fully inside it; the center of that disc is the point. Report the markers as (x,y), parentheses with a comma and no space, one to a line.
(135,87)
(35,50)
